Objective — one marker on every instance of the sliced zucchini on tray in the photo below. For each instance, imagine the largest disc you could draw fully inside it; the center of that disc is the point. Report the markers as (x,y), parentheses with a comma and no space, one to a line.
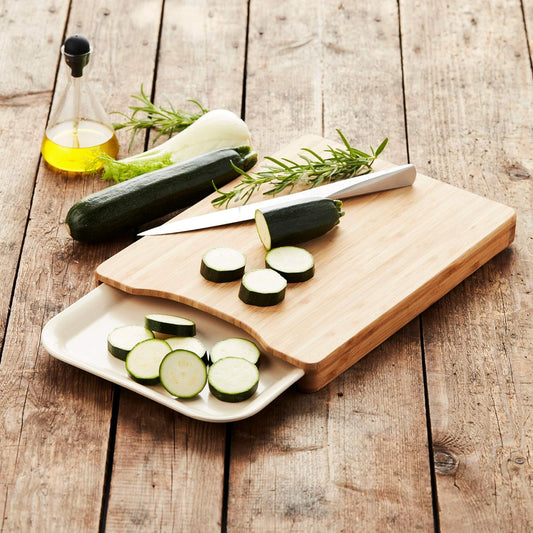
(123,338)
(183,373)
(233,379)
(192,344)
(235,347)
(179,363)
(170,325)
(143,361)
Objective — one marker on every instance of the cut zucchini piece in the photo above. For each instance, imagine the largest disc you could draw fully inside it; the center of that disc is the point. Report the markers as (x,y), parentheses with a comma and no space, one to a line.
(293,263)
(233,379)
(297,222)
(143,361)
(235,347)
(192,344)
(171,325)
(222,264)
(183,373)
(262,287)
(123,338)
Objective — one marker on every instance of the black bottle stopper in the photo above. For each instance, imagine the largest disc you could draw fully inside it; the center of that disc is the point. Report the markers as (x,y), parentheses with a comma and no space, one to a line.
(77,51)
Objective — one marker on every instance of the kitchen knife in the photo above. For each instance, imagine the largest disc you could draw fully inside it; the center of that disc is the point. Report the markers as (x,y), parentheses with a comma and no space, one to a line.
(392,178)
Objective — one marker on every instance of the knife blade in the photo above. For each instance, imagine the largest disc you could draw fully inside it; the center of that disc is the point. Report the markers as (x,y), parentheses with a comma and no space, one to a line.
(392,178)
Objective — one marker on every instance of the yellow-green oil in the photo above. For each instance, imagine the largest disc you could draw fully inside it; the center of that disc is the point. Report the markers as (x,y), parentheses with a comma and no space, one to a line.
(73,149)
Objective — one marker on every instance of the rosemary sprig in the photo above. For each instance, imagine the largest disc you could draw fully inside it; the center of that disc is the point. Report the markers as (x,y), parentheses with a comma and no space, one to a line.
(312,171)
(166,121)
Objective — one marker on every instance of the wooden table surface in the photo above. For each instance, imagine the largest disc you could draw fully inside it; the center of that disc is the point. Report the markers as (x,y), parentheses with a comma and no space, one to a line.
(433,430)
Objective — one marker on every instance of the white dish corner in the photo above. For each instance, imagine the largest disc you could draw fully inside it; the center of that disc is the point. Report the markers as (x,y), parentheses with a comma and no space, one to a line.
(78,336)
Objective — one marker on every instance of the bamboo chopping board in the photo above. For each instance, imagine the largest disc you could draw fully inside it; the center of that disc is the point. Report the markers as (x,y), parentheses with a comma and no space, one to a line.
(393,254)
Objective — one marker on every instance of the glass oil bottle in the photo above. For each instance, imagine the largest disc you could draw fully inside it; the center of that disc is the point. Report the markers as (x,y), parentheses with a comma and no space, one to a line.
(79,128)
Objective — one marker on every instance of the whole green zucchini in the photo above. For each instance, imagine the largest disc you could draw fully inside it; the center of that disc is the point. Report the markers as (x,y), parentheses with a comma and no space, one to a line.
(110,212)
(297,222)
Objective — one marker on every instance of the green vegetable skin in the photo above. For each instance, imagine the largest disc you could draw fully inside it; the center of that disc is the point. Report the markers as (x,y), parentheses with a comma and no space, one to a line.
(298,222)
(113,211)
(233,379)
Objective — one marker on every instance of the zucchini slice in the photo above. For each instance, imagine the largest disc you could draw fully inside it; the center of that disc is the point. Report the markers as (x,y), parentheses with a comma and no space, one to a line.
(262,287)
(192,344)
(222,264)
(293,263)
(116,210)
(297,222)
(233,379)
(143,361)
(183,373)
(235,347)
(176,326)
(123,338)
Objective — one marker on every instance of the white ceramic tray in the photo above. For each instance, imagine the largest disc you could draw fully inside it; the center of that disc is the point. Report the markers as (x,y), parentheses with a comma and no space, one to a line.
(78,336)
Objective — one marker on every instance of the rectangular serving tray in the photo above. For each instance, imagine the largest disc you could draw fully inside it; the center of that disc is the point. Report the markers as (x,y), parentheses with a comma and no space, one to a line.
(78,336)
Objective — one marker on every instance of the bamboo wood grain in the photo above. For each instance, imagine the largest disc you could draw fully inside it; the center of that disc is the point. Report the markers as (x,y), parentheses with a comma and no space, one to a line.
(470,65)
(392,256)
(168,470)
(56,419)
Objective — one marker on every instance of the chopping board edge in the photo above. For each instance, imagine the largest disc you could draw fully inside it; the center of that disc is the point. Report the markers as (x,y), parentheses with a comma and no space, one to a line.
(361,344)
(264,345)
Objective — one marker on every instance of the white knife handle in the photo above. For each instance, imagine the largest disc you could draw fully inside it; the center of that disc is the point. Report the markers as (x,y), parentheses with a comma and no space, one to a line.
(402,176)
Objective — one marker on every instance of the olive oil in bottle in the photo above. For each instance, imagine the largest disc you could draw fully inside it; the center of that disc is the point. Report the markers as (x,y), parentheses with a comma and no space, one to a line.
(79,129)
(71,152)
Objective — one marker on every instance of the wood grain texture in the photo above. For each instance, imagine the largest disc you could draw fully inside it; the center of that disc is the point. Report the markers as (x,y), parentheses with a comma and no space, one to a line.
(343,459)
(24,101)
(55,419)
(180,482)
(353,456)
(397,252)
(527,7)
(469,63)
(173,465)
(310,472)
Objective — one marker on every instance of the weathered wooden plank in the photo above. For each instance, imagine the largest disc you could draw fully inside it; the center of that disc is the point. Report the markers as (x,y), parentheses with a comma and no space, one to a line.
(527,6)
(348,458)
(175,465)
(469,103)
(201,56)
(28,73)
(55,419)
(352,457)
(283,96)
(167,470)
(22,93)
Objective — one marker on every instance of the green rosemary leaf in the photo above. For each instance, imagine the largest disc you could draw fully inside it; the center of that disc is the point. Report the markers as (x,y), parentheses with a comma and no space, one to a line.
(343,138)
(277,162)
(312,171)
(314,154)
(381,147)
(166,121)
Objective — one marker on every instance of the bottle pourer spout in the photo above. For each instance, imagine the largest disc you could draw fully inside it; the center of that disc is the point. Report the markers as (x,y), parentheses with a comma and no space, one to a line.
(77,51)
